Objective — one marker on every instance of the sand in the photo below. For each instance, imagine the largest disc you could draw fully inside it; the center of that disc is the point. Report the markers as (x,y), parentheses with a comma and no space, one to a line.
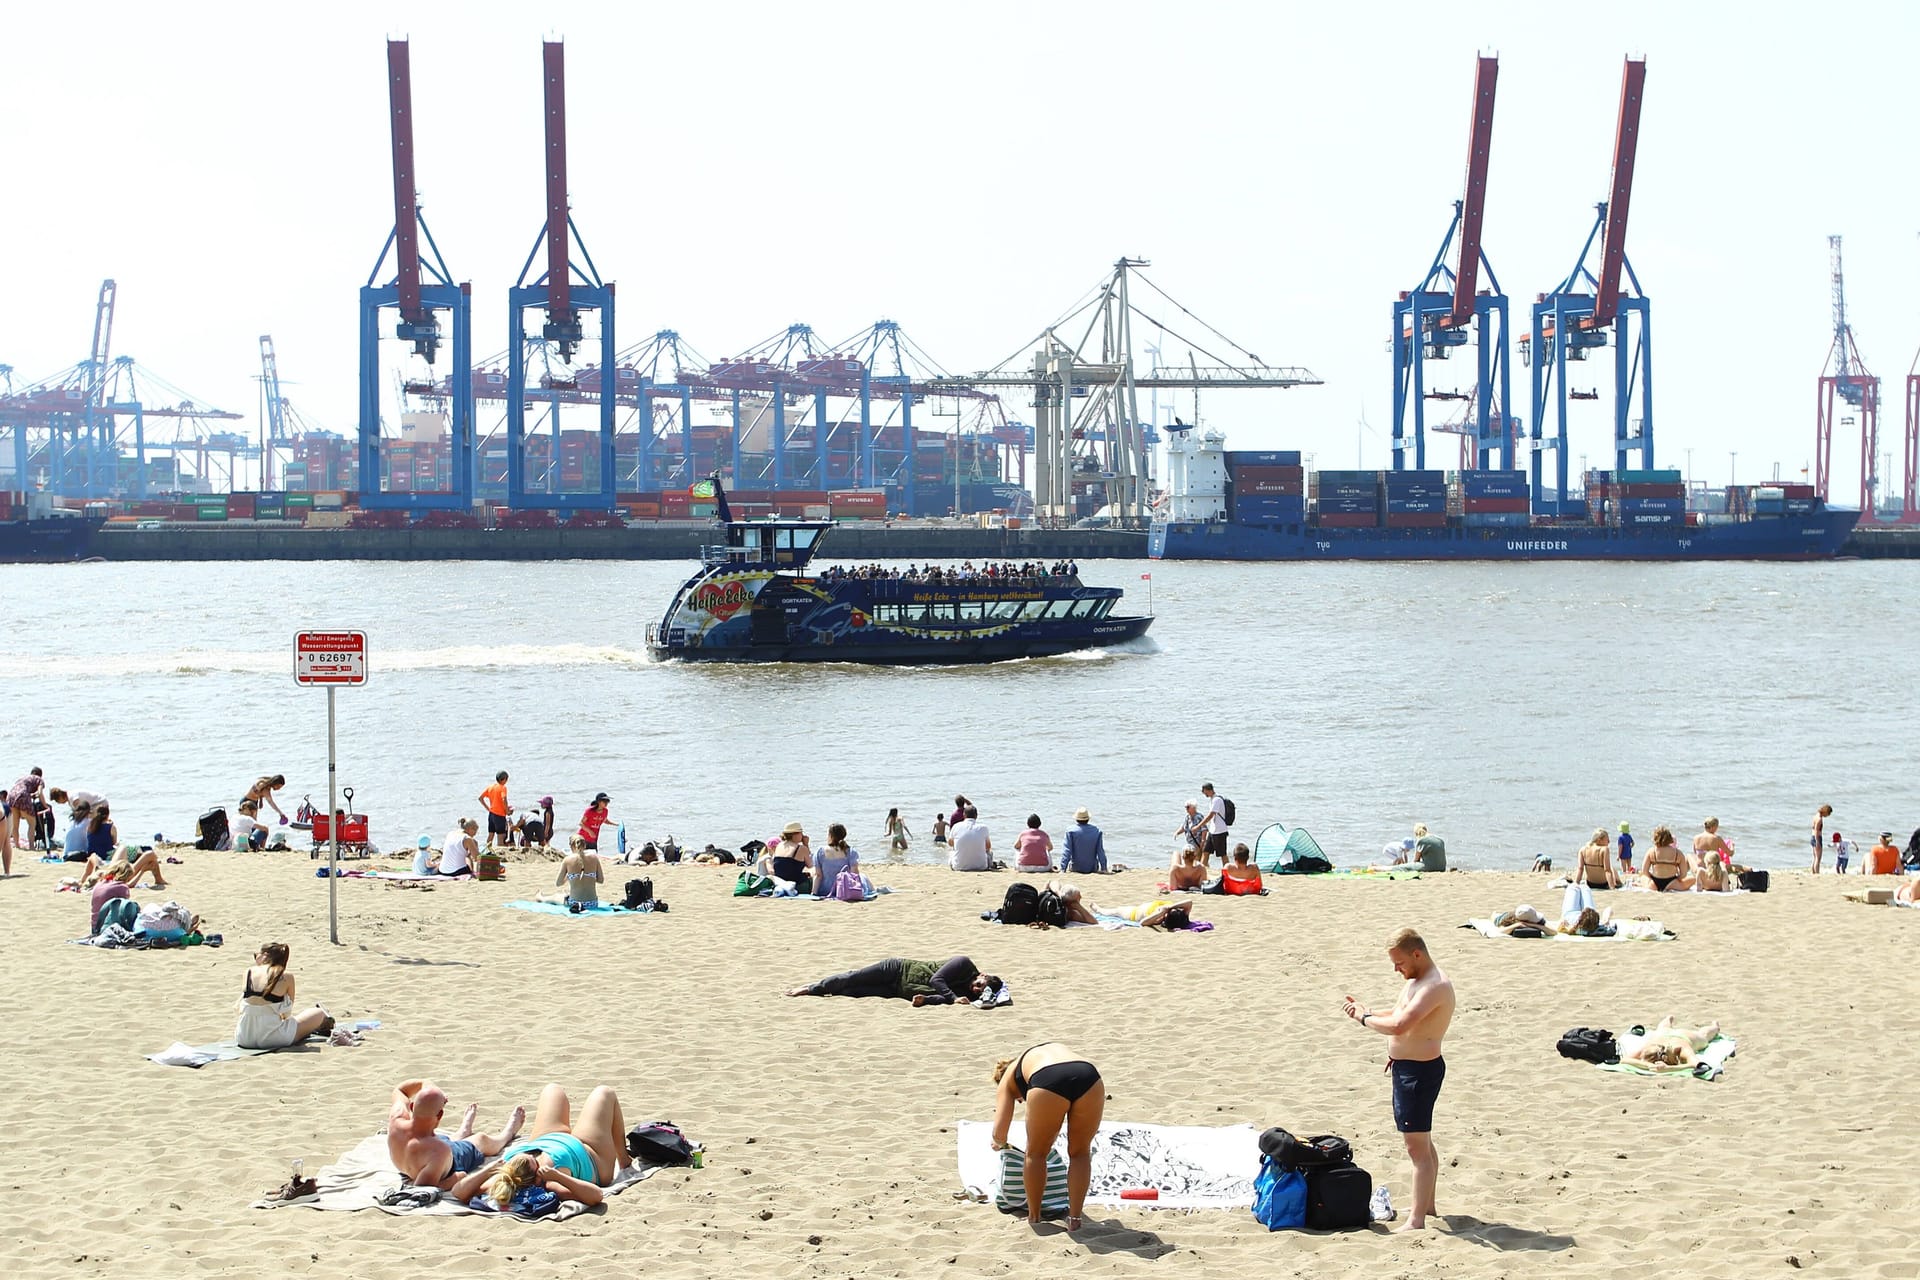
(829,1124)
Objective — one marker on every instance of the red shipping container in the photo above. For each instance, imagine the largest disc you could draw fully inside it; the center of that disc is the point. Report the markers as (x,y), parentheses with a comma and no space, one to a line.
(1797,490)
(1506,506)
(1649,491)
(1241,474)
(184,511)
(240,506)
(642,510)
(1416,520)
(1348,520)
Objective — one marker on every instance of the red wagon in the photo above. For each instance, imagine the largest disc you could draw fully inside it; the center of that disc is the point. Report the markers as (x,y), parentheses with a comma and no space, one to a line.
(353,830)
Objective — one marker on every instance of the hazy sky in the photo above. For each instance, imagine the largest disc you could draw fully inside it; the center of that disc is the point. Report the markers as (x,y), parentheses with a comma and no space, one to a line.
(969,171)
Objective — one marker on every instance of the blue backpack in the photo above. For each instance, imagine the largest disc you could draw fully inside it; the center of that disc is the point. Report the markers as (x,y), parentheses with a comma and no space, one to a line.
(1279,1196)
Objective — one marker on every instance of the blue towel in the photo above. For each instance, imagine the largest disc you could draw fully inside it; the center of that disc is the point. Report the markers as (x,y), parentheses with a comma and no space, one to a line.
(555,909)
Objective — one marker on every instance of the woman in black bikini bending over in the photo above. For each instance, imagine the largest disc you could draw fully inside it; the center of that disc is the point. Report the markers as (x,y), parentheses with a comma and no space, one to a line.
(1059,1089)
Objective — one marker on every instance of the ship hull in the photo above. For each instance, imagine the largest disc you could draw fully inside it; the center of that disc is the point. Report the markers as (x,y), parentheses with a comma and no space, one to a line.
(47,541)
(1818,536)
(919,652)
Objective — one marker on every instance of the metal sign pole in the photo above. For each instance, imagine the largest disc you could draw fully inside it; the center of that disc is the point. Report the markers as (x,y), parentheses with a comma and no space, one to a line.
(333,831)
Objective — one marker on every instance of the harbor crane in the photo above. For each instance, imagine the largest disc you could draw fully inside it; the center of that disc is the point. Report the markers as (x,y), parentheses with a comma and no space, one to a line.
(1844,380)
(1448,309)
(1584,308)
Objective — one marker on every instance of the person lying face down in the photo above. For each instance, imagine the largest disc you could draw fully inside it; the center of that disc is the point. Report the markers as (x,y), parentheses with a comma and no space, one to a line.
(924,982)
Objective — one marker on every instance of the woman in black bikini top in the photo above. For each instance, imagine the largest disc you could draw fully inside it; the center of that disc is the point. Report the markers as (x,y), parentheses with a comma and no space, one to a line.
(1060,1090)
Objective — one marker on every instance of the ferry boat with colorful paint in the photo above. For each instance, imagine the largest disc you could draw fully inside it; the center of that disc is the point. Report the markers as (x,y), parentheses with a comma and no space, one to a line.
(755,599)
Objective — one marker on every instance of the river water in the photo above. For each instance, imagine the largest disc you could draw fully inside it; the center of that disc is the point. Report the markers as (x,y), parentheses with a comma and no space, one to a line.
(1513,707)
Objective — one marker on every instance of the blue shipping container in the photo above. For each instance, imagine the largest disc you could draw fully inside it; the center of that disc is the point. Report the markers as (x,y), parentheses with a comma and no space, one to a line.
(1348,506)
(1652,504)
(1639,518)
(1416,505)
(1359,493)
(1414,477)
(1368,478)
(1263,457)
(1495,519)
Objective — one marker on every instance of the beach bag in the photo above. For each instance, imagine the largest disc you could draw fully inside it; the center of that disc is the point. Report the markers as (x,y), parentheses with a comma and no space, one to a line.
(1021,905)
(1226,810)
(1279,1196)
(638,891)
(751,884)
(1012,1194)
(1589,1044)
(659,1142)
(849,887)
(1339,1197)
(533,1202)
(1753,881)
(1050,910)
(489,866)
(164,920)
(1305,1153)
(124,912)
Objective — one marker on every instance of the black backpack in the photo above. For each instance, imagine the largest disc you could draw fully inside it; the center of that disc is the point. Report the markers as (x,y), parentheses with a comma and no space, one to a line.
(1753,881)
(638,891)
(1311,864)
(1304,1154)
(1589,1044)
(1226,810)
(659,1142)
(1021,905)
(1339,1197)
(1050,910)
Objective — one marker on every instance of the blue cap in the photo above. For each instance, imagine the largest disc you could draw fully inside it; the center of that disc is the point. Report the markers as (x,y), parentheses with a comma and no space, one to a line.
(426,842)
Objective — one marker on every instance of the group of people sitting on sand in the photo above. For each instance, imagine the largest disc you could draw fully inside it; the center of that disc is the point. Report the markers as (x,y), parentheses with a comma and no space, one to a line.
(1188,873)
(1707,867)
(573,1159)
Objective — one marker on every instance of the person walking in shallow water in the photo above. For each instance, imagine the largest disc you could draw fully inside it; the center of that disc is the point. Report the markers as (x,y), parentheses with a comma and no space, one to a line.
(1414,1029)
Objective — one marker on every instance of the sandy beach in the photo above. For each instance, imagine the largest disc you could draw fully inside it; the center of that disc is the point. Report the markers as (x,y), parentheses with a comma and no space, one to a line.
(829,1124)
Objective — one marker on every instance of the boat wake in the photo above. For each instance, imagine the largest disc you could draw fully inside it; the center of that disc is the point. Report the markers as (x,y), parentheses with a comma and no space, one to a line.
(202,662)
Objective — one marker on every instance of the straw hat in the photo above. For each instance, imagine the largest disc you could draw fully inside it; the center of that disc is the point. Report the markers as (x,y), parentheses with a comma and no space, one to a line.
(1081,815)
(792,829)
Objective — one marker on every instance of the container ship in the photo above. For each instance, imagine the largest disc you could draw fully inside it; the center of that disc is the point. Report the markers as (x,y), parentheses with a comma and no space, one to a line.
(43,538)
(1265,505)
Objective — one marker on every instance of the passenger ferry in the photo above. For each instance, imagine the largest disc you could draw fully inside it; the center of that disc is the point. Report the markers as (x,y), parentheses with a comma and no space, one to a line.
(755,600)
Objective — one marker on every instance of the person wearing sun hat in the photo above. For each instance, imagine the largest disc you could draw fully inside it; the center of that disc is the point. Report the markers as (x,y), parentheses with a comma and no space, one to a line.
(593,819)
(423,857)
(1084,850)
(793,858)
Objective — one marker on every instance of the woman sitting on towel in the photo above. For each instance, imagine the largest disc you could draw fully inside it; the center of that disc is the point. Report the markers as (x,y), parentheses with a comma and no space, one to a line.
(1593,866)
(925,982)
(1059,1090)
(1712,876)
(267,1019)
(572,1161)
(792,858)
(1666,866)
(1671,1048)
(835,856)
(582,874)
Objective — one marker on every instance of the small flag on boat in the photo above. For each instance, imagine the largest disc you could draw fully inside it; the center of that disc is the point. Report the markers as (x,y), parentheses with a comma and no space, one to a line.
(1146,577)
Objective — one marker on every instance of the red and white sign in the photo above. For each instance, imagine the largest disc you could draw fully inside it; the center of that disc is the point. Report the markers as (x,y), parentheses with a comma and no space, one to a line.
(330,657)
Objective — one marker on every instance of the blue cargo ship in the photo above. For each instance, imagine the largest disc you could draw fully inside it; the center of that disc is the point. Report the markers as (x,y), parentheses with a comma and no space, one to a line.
(48,539)
(1264,505)
(755,599)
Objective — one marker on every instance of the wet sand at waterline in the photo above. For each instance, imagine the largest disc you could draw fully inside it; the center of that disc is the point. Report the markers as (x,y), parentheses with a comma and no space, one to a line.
(829,1124)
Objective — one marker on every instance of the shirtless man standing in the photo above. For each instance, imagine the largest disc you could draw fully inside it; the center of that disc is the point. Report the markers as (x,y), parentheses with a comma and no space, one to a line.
(426,1158)
(1414,1029)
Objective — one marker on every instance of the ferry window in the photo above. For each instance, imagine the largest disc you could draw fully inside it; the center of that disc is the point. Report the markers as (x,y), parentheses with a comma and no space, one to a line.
(783,539)
(1033,609)
(1005,610)
(971,610)
(886,613)
(803,538)
(1084,608)
(1059,608)
(1102,607)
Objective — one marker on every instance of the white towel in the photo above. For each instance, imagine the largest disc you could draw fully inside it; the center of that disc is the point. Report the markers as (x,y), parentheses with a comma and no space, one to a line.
(1189,1166)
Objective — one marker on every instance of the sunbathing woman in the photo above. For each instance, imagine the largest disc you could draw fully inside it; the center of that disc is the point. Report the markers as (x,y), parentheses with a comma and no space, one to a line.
(124,867)
(572,1161)
(1908,892)
(1157,914)
(954,981)
(1588,924)
(1671,1048)
(1059,1089)
(267,1019)
(1071,901)
(1187,871)
(1666,867)
(582,874)
(1594,864)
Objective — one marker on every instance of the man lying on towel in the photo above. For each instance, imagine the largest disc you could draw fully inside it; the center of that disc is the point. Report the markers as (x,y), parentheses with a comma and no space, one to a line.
(421,1154)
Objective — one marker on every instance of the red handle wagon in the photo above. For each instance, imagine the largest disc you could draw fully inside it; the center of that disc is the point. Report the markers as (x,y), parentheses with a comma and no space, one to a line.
(353,830)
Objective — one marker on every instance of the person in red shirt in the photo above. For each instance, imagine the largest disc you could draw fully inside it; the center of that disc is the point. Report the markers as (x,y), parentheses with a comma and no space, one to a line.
(593,819)
(499,830)
(1884,858)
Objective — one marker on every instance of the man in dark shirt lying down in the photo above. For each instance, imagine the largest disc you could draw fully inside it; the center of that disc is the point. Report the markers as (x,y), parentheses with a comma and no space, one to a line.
(924,982)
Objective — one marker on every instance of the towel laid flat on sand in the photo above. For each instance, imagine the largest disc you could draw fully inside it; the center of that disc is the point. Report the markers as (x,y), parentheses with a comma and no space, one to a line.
(179,1054)
(1189,1166)
(555,909)
(1624,931)
(1713,1059)
(361,1177)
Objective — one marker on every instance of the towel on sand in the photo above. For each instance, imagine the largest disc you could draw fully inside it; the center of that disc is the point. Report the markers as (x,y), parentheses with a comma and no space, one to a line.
(1713,1059)
(364,1174)
(179,1054)
(1190,1166)
(555,909)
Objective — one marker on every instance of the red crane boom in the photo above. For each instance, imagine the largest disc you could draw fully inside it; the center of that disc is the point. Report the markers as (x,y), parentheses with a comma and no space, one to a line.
(1613,252)
(406,223)
(1466,280)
